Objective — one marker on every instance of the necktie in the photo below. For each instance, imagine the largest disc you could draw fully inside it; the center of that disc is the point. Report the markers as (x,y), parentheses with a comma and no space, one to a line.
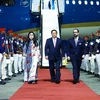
(76,41)
(54,42)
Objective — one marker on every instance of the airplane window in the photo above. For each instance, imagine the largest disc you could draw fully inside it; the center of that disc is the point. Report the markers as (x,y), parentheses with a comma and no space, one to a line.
(85,2)
(73,2)
(79,2)
(91,2)
(67,1)
(97,2)
(7,2)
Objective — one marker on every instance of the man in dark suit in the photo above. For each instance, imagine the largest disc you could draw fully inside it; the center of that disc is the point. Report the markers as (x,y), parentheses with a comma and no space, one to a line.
(75,54)
(54,52)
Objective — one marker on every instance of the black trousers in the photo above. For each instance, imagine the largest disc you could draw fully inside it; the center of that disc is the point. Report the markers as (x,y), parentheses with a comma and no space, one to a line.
(55,74)
(76,63)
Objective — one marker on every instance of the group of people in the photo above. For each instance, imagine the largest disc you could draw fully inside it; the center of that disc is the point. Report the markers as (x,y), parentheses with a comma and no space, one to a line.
(91,62)
(55,53)
(17,55)
(79,51)
(11,59)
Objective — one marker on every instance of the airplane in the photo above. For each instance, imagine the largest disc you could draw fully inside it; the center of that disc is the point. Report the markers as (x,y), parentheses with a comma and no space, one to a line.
(83,14)
(19,16)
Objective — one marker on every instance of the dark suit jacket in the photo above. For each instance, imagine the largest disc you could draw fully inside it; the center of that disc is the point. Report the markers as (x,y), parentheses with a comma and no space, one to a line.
(54,52)
(75,52)
(3,41)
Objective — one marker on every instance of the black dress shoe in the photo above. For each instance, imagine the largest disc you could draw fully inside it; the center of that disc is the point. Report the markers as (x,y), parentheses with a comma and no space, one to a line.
(19,72)
(22,71)
(78,81)
(81,69)
(92,73)
(30,82)
(36,81)
(74,82)
(2,82)
(89,72)
(14,75)
(97,75)
(57,82)
(8,78)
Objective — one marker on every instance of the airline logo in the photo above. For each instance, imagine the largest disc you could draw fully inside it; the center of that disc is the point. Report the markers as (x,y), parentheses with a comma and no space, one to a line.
(24,3)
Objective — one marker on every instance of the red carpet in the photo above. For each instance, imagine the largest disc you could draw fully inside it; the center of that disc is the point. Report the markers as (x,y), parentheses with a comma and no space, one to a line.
(45,90)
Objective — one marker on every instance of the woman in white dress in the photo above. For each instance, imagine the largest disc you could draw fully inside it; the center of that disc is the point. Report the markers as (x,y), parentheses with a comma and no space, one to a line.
(32,53)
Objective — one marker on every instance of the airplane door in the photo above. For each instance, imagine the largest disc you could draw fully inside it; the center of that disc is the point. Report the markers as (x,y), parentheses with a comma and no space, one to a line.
(48,4)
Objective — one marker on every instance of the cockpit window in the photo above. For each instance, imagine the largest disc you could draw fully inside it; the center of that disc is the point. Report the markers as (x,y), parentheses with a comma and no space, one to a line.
(7,2)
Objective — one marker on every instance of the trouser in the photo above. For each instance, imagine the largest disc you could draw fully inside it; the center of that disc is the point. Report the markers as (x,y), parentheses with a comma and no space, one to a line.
(20,62)
(98,62)
(55,76)
(83,64)
(10,66)
(92,63)
(0,66)
(7,66)
(16,63)
(76,63)
(86,62)
(4,68)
